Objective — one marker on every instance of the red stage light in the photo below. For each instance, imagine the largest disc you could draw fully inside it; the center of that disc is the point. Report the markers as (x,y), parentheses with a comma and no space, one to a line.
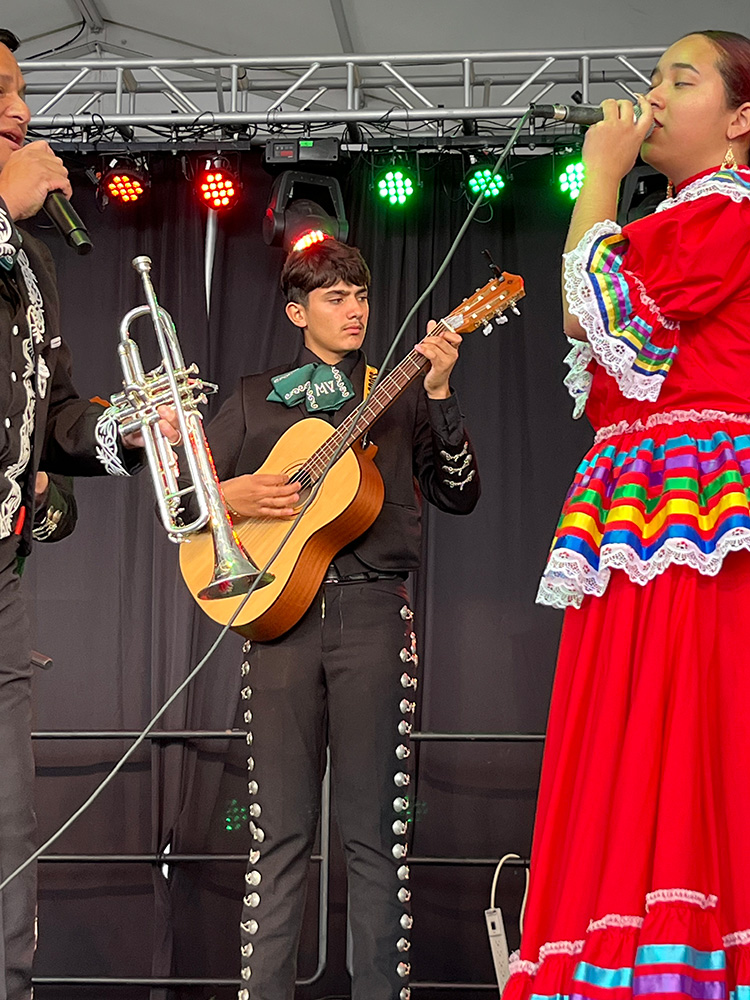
(217,186)
(124,181)
(307,239)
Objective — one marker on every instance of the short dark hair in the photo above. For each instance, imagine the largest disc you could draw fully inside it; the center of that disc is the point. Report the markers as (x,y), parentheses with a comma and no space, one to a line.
(320,266)
(8,39)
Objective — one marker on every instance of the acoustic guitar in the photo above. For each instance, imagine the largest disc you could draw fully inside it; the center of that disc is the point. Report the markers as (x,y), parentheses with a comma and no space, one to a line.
(346,503)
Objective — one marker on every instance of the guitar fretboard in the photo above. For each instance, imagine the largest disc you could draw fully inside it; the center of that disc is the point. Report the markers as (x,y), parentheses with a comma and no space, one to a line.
(357,423)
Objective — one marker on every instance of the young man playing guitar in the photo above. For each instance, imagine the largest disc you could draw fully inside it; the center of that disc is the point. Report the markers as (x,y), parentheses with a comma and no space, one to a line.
(343,676)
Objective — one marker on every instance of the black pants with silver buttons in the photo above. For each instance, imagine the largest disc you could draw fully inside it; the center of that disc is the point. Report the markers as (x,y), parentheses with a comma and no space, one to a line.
(335,678)
(17,817)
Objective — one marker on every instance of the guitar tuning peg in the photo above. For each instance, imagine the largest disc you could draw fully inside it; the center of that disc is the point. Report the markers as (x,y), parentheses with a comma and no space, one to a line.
(501,319)
(487,330)
(514,309)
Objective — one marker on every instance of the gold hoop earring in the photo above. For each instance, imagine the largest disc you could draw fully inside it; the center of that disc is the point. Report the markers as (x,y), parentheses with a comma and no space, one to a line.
(670,189)
(729,162)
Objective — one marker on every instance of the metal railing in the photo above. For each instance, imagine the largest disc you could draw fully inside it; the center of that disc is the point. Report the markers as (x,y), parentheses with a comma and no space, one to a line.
(161,858)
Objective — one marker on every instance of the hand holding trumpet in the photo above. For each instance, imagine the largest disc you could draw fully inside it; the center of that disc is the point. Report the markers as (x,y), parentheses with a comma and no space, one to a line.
(168,425)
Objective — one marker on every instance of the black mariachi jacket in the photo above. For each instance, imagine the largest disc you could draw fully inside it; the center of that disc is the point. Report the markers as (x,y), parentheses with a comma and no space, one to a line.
(70,436)
(423,449)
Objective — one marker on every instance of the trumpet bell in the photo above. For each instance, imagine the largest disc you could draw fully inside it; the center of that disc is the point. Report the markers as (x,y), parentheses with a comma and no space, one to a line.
(234,571)
(233,577)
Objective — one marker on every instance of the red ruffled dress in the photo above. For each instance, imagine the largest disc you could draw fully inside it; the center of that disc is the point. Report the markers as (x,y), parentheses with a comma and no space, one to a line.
(640,868)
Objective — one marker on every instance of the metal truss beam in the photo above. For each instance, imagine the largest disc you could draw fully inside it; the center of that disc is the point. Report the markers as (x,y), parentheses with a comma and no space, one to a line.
(227,97)
(91,14)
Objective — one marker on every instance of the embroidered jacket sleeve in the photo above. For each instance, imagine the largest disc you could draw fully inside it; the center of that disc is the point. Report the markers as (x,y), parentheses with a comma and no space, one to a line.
(443,458)
(632,288)
(80,438)
(56,513)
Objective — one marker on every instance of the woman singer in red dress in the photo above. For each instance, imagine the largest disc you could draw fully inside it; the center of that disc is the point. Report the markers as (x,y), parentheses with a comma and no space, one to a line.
(640,868)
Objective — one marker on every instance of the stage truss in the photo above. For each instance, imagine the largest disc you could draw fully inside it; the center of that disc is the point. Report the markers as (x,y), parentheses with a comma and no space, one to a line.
(367,100)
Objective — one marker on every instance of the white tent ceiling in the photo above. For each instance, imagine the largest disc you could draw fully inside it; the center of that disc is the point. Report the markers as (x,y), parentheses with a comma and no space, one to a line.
(165,28)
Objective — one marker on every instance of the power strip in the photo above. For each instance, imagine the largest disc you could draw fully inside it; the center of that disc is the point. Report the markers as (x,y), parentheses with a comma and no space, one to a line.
(498,945)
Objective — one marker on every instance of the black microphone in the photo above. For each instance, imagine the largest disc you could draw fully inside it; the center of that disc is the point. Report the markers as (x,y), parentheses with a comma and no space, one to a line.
(68,222)
(577,114)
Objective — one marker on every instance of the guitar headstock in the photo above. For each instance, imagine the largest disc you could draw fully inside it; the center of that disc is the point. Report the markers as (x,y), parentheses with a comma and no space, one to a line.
(487,303)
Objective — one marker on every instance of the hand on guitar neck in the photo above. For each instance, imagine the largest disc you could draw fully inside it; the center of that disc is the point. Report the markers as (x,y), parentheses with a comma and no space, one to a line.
(441,350)
(261,495)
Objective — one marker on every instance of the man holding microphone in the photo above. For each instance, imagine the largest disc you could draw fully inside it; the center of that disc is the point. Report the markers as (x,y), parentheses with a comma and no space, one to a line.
(43,422)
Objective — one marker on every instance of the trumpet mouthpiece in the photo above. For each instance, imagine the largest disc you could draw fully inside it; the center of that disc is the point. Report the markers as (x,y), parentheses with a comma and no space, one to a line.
(142,264)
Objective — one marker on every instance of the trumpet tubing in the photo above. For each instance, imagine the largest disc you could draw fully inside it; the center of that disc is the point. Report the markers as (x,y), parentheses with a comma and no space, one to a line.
(178,386)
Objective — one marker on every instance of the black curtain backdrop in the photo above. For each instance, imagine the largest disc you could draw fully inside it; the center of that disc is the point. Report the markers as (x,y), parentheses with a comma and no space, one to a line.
(108,604)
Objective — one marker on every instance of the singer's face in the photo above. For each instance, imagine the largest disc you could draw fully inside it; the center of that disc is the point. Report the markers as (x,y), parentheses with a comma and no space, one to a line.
(691,117)
(14,114)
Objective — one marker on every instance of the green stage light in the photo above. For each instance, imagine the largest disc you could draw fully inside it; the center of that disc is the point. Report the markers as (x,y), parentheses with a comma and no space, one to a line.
(395,185)
(480,180)
(571,179)
(235,818)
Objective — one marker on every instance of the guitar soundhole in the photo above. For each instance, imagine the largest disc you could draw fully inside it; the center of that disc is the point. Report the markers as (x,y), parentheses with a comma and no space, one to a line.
(304,493)
(304,496)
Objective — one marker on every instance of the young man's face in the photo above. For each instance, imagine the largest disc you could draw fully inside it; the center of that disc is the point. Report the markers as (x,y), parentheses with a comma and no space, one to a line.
(334,320)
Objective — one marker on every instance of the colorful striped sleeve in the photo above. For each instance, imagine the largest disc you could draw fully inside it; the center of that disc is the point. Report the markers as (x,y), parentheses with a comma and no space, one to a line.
(626,332)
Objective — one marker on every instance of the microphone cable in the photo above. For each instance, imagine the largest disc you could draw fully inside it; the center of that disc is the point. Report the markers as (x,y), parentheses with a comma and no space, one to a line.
(298,517)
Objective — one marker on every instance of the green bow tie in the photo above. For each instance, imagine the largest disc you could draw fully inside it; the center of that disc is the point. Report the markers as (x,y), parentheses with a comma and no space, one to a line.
(324,387)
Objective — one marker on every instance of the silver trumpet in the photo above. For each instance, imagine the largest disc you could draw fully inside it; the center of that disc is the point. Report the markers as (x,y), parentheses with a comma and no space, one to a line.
(173,384)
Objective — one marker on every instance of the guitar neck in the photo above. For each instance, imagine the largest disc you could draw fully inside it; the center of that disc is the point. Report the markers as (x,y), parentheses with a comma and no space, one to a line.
(362,418)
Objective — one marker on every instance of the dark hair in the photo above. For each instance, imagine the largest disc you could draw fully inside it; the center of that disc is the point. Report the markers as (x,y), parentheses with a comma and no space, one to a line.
(733,64)
(8,39)
(320,266)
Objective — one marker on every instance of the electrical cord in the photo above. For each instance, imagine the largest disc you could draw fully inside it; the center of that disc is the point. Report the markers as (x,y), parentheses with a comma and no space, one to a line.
(313,493)
(59,48)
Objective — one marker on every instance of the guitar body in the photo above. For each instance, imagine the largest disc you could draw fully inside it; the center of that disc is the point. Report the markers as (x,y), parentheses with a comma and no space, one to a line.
(346,504)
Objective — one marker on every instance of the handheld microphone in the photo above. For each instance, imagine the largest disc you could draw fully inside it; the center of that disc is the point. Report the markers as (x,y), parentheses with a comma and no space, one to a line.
(68,222)
(577,114)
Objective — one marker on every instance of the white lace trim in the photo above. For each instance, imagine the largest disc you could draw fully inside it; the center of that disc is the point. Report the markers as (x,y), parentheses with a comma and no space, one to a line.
(669,417)
(624,921)
(578,380)
(668,324)
(615,920)
(681,896)
(560,948)
(516,964)
(705,186)
(569,577)
(107,439)
(615,356)
(738,938)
